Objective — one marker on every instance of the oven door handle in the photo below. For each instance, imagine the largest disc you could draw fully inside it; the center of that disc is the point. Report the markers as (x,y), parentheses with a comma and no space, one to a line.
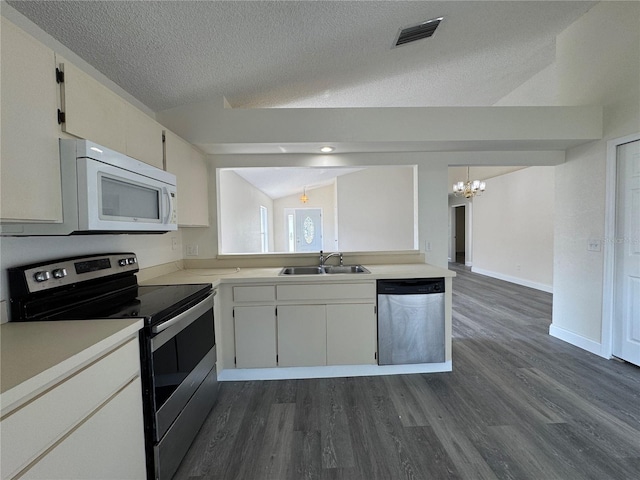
(193,312)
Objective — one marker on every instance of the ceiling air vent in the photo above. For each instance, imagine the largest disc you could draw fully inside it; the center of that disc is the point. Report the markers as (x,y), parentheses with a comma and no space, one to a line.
(417,32)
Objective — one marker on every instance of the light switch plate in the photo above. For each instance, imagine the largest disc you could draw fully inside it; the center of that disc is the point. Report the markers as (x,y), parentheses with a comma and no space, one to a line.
(594,245)
(192,250)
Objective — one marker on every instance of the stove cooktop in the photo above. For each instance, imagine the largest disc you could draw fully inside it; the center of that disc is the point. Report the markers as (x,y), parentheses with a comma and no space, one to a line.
(152,303)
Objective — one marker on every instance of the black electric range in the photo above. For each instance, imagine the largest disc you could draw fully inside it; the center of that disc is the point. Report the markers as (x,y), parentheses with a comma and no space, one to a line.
(177,344)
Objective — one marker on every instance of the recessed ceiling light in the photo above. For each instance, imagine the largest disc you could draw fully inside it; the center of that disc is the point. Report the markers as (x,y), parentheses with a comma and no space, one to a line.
(327,149)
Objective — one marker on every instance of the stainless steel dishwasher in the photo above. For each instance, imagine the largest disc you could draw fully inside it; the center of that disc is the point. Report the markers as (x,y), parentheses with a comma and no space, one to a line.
(411,321)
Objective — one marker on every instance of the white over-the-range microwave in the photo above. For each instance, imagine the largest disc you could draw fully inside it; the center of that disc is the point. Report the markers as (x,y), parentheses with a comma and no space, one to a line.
(104,191)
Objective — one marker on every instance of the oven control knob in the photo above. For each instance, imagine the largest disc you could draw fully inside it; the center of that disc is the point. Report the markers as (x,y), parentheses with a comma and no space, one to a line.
(132,260)
(123,262)
(59,273)
(42,276)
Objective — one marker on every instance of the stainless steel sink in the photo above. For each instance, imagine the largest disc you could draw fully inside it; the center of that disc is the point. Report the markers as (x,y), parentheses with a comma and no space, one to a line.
(302,271)
(326,269)
(345,269)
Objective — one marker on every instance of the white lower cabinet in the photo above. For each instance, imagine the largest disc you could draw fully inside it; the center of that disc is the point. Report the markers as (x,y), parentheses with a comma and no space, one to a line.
(89,425)
(302,335)
(104,446)
(351,334)
(255,334)
(304,325)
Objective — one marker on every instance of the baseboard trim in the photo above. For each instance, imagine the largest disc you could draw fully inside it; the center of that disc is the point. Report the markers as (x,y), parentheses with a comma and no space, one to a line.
(576,340)
(519,281)
(290,373)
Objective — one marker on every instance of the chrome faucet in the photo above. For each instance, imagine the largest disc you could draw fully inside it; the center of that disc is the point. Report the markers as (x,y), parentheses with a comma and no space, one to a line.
(323,259)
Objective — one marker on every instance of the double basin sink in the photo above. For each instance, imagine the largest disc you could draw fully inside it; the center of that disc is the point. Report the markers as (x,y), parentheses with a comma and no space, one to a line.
(324,270)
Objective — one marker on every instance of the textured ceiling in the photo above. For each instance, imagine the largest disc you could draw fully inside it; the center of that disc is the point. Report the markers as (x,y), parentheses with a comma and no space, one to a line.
(309,53)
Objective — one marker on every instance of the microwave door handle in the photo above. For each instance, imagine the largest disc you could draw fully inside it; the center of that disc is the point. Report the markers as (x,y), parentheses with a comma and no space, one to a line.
(166,193)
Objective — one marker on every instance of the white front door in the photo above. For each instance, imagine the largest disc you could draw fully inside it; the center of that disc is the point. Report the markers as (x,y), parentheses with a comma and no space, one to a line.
(626,318)
(308,229)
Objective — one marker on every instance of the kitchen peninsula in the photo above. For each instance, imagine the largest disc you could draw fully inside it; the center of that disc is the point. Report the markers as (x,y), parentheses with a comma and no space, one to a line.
(272,326)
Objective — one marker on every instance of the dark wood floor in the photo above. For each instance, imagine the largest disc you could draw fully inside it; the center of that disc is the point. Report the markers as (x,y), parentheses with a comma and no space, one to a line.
(519,404)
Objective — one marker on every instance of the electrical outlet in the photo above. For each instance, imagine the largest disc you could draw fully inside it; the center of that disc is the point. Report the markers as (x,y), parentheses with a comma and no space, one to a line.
(192,250)
(174,243)
(427,246)
(518,267)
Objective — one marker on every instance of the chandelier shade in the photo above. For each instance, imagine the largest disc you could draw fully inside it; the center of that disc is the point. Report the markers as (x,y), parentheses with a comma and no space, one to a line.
(469,188)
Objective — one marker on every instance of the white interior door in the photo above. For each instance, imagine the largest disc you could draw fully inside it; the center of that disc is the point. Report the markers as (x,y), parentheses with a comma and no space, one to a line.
(626,318)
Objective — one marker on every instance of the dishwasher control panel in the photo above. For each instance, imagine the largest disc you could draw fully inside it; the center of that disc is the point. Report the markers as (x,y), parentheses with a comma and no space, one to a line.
(416,286)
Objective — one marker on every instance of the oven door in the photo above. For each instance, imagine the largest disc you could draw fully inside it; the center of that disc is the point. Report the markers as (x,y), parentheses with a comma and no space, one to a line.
(183,355)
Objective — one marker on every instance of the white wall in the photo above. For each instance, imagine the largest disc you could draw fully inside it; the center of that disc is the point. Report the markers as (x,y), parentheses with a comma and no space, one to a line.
(321,197)
(513,223)
(376,210)
(150,249)
(592,69)
(240,215)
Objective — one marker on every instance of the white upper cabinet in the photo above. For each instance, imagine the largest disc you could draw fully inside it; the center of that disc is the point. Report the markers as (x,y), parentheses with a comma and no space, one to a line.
(30,160)
(189,166)
(143,137)
(94,112)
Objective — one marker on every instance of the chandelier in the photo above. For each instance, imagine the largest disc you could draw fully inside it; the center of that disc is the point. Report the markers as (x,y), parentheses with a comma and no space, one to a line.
(303,197)
(468,189)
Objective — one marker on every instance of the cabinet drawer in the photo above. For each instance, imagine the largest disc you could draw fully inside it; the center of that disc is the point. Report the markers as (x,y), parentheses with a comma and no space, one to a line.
(110,444)
(41,422)
(334,291)
(264,293)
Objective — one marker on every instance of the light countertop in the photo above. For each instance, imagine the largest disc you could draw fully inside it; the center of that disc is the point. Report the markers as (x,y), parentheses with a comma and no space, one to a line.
(264,275)
(36,355)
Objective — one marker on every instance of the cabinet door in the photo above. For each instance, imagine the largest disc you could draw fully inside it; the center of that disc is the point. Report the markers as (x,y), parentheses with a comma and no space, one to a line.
(30,177)
(110,444)
(302,335)
(255,332)
(351,334)
(143,137)
(189,166)
(92,111)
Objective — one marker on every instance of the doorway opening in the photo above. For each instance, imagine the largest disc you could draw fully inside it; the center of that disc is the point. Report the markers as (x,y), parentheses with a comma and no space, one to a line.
(460,239)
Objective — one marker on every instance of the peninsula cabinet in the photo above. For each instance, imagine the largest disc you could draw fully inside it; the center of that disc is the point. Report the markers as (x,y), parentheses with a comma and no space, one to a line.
(30,161)
(351,334)
(190,169)
(95,113)
(255,332)
(302,335)
(304,325)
